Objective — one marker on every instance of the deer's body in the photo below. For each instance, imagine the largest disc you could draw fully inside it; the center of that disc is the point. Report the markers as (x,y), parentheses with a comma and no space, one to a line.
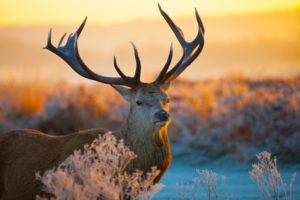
(19,163)
(24,152)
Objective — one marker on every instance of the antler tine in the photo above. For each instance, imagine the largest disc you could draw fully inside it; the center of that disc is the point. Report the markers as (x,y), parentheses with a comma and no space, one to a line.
(62,39)
(137,74)
(80,28)
(70,54)
(119,70)
(166,67)
(199,21)
(49,44)
(189,52)
(177,31)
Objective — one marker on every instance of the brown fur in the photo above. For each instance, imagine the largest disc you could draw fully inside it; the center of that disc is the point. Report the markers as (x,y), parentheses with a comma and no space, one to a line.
(24,152)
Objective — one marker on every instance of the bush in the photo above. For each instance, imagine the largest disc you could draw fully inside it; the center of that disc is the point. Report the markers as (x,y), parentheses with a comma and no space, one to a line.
(206,180)
(268,179)
(99,172)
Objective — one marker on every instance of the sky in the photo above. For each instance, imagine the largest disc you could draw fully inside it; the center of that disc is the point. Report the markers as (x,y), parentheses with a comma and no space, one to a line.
(45,12)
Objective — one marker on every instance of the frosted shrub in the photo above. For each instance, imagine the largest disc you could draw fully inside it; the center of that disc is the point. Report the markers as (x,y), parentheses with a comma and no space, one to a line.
(98,172)
(268,179)
(207,180)
(188,190)
(210,181)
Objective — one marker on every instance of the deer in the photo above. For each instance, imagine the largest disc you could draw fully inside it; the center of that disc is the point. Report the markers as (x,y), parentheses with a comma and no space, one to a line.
(144,131)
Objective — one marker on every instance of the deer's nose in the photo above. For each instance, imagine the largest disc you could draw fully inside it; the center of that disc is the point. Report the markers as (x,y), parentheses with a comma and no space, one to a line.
(162,115)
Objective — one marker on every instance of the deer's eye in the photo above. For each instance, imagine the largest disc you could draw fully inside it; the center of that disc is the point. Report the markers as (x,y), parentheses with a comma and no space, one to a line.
(139,102)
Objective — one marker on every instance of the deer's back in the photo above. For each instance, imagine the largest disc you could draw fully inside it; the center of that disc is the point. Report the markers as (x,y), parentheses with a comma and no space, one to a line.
(24,152)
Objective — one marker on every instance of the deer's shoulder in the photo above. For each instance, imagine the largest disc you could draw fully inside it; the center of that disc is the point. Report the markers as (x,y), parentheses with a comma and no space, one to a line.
(20,140)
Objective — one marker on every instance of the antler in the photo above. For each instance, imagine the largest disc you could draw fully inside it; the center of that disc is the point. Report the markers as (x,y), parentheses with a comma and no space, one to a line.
(191,50)
(69,53)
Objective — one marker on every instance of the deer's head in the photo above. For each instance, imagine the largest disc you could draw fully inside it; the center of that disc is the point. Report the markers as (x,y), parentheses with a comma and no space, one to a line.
(149,105)
(149,101)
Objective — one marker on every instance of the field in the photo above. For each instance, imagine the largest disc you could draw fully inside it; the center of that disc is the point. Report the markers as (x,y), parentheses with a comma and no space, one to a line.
(213,121)
(231,116)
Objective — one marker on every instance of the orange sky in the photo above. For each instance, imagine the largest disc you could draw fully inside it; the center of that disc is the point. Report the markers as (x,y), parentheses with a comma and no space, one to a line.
(33,12)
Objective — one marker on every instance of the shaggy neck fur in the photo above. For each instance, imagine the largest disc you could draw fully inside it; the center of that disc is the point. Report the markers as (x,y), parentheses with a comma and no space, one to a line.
(150,145)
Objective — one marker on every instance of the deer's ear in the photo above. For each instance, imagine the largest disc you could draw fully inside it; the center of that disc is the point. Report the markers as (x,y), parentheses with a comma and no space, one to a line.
(124,91)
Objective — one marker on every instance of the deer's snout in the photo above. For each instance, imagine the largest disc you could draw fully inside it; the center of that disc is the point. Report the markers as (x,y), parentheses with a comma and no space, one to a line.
(162,115)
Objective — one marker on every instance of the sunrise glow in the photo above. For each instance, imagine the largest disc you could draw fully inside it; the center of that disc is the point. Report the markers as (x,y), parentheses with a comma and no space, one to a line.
(36,12)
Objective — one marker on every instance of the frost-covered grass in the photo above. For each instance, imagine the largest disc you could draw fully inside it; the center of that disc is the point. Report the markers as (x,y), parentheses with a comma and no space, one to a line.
(268,179)
(230,116)
(206,182)
(210,119)
(264,174)
(99,172)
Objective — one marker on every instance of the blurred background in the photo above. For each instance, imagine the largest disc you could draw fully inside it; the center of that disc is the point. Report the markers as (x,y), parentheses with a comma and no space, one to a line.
(241,96)
(255,39)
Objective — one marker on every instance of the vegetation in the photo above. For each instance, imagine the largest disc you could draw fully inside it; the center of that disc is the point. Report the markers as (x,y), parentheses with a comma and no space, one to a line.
(264,173)
(99,173)
(205,183)
(268,179)
(231,116)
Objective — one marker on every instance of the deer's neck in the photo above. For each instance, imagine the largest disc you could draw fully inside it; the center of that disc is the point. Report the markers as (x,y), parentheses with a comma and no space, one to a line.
(150,145)
(137,136)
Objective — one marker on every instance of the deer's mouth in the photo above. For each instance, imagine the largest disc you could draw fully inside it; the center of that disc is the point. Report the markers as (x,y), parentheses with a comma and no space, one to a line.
(160,123)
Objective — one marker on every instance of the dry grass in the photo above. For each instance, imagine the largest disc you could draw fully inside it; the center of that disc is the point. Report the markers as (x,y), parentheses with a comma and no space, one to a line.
(268,179)
(99,172)
(221,117)
(264,173)
(204,186)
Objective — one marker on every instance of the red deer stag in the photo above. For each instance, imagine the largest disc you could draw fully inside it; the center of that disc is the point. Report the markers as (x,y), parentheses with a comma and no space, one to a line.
(23,152)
